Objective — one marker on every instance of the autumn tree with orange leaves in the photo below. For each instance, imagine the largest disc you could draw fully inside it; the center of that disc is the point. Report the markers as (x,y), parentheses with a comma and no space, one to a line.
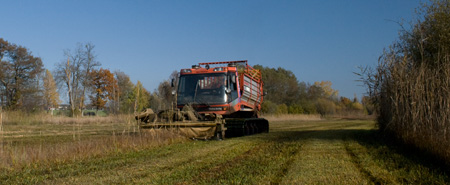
(104,85)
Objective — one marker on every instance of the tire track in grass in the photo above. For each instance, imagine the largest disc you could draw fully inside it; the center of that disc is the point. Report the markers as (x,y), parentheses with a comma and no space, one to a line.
(168,166)
(322,160)
(187,172)
(285,167)
(154,165)
(217,170)
(96,167)
(357,163)
(290,141)
(268,162)
(199,154)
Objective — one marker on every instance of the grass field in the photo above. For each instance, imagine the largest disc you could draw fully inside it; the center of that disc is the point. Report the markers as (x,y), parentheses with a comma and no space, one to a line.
(294,152)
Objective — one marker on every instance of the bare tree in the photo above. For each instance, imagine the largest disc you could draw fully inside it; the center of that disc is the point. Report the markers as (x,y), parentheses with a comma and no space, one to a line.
(63,77)
(89,63)
(164,92)
(74,75)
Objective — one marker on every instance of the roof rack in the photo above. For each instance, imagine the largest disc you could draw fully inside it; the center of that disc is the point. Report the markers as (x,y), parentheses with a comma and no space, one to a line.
(226,62)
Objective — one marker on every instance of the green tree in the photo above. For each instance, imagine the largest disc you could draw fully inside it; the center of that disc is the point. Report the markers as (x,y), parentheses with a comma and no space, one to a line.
(125,105)
(315,92)
(140,96)
(19,72)
(280,84)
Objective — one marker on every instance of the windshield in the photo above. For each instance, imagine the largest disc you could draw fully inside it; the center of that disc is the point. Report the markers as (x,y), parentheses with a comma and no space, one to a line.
(202,89)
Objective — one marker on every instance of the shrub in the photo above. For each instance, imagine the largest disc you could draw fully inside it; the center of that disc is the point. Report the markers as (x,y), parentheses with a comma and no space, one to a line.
(269,107)
(295,109)
(282,109)
(309,108)
(325,107)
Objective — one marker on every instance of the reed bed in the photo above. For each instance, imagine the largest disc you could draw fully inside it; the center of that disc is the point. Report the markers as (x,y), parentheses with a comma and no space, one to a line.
(411,84)
(414,105)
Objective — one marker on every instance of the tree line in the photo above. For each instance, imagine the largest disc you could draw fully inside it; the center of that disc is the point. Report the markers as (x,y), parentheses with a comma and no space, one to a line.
(26,85)
(287,95)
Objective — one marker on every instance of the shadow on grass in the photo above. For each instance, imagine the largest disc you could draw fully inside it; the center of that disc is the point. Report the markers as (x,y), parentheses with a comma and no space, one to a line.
(410,164)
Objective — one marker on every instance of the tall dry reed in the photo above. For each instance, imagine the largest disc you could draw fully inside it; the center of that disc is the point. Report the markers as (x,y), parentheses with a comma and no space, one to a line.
(414,105)
(411,84)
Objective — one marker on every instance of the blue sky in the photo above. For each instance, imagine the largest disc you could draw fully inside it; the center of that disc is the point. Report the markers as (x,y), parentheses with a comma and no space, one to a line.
(317,40)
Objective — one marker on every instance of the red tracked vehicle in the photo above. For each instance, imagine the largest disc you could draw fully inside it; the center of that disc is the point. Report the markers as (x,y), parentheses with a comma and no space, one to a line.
(213,100)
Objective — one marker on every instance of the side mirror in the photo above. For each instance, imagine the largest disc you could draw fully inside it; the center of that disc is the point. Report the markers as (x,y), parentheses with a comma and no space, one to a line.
(172,83)
(228,91)
(233,79)
(174,92)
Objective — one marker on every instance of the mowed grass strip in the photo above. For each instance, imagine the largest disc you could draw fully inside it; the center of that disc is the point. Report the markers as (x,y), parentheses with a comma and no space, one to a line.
(294,152)
(323,159)
(393,163)
(158,165)
(267,163)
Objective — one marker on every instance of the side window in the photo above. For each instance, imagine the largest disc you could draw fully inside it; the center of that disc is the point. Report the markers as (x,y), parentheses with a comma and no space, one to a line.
(233,86)
(181,86)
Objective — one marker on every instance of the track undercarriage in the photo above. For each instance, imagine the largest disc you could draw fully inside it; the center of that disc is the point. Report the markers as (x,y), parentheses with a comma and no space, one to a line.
(201,126)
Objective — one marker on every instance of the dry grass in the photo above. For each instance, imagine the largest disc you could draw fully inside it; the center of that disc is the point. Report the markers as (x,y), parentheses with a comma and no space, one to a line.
(39,139)
(294,152)
(23,118)
(353,115)
(291,117)
(17,156)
